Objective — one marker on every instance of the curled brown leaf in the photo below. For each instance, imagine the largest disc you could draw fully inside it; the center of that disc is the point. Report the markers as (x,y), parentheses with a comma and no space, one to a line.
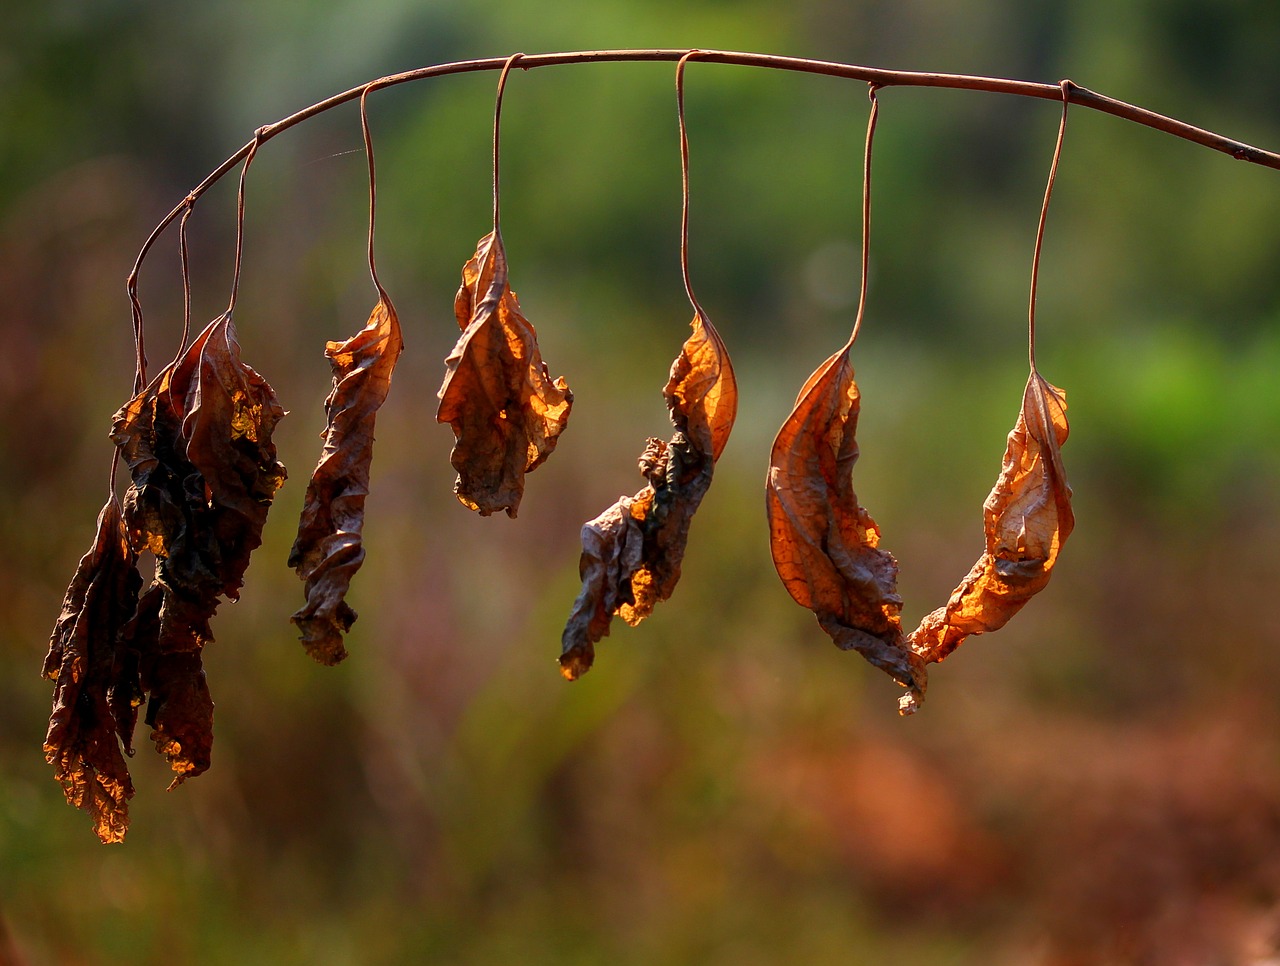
(632,553)
(505,410)
(1027,517)
(825,546)
(96,690)
(197,441)
(329,548)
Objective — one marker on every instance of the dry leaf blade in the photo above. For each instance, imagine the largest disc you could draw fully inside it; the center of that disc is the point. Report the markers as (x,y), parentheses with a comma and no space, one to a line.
(329,547)
(506,411)
(825,545)
(632,553)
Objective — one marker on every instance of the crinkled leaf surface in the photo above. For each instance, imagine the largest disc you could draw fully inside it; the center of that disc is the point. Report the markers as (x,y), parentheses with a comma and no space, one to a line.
(197,442)
(96,690)
(505,410)
(329,548)
(631,553)
(1027,517)
(825,545)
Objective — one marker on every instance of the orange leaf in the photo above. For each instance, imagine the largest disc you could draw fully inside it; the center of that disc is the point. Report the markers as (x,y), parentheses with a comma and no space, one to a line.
(1027,518)
(825,545)
(631,553)
(506,412)
(329,548)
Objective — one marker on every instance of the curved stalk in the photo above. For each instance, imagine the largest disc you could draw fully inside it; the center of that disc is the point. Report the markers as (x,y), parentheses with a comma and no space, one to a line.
(872,75)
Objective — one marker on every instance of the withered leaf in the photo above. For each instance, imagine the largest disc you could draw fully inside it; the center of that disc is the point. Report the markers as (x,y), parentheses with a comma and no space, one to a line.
(631,553)
(1027,517)
(197,442)
(329,549)
(825,546)
(505,410)
(96,690)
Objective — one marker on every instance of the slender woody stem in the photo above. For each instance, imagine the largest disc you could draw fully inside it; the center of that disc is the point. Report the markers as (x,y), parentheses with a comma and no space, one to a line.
(866,211)
(1066,86)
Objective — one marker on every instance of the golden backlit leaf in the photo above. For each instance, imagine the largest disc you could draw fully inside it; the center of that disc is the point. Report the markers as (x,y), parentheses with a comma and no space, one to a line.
(329,548)
(632,553)
(96,690)
(825,545)
(1027,517)
(197,442)
(505,410)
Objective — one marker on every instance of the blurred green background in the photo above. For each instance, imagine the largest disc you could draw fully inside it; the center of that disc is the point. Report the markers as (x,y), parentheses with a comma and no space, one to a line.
(1098,783)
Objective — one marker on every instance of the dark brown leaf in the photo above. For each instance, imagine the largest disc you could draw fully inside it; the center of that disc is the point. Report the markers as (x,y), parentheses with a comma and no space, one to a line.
(197,441)
(631,553)
(826,547)
(329,549)
(96,690)
(1027,517)
(506,412)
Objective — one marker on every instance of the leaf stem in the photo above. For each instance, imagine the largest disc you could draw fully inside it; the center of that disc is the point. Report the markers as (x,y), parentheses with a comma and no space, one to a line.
(248,160)
(497,128)
(373,185)
(1066,87)
(184,258)
(684,183)
(866,211)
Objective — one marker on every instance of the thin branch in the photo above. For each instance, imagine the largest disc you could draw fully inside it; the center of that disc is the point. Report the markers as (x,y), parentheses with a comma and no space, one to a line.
(880,78)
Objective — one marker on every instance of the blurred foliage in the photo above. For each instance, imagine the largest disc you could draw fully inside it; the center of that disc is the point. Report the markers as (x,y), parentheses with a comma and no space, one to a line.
(1100,783)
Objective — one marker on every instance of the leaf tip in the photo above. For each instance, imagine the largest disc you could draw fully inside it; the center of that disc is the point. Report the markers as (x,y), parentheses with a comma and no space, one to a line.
(577,661)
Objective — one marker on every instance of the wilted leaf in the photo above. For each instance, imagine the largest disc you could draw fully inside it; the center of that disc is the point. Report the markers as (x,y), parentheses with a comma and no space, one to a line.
(825,545)
(506,412)
(197,441)
(180,711)
(1027,517)
(631,553)
(96,693)
(329,550)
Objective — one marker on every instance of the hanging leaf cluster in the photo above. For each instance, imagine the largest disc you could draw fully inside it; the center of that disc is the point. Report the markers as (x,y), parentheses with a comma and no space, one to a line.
(196,441)
(203,468)
(826,547)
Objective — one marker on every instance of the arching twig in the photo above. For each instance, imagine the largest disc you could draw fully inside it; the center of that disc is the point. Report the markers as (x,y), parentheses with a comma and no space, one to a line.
(872,75)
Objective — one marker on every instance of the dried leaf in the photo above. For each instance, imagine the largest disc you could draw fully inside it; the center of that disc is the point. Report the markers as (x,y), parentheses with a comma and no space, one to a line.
(825,545)
(506,412)
(1027,517)
(329,549)
(197,441)
(180,711)
(97,692)
(631,553)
